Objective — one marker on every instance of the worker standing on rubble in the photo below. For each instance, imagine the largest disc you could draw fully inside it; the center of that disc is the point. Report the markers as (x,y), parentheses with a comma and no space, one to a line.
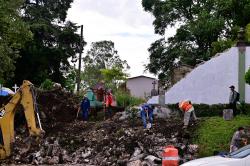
(146,111)
(108,103)
(85,106)
(237,140)
(188,109)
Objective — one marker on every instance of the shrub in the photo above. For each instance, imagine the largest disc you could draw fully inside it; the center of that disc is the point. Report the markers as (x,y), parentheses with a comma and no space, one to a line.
(203,110)
(132,114)
(46,85)
(247,77)
(124,99)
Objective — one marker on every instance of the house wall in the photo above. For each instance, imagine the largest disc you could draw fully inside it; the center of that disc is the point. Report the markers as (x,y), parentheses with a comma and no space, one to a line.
(140,86)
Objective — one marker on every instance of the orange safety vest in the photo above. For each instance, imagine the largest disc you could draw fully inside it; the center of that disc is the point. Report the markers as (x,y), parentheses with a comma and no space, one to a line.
(185,106)
(109,100)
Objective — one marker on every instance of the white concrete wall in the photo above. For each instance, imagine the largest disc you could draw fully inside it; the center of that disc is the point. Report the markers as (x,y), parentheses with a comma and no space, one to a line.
(140,86)
(209,83)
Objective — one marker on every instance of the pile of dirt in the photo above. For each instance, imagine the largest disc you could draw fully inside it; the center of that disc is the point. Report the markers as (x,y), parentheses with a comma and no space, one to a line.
(111,142)
(58,105)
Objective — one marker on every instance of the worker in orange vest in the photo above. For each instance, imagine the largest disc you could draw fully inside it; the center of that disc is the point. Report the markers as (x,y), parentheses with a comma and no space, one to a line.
(188,109)
(108,102)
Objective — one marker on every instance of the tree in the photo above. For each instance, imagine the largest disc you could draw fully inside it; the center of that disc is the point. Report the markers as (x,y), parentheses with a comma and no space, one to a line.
(102,61)
(247,77)
(70,81)
(203,28)
(54,42)
(13,35)
(113,77)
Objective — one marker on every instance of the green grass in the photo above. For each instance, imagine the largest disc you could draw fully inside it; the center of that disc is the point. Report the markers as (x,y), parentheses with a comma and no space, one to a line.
(214,134)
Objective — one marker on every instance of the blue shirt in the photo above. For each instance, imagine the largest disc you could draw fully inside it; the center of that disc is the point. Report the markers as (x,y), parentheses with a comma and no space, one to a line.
(146,106)
(85,104)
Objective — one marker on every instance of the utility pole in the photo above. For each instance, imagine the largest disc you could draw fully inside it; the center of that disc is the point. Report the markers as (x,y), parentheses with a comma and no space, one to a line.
(80,61)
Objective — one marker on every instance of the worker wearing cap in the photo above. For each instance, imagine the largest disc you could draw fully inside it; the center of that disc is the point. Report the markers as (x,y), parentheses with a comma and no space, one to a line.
(233,99)
(188,109)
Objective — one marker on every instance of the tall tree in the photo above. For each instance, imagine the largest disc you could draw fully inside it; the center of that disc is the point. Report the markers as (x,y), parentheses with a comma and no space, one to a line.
(54,42)
(101,56)
(203,27)
(113,77)
(13,35)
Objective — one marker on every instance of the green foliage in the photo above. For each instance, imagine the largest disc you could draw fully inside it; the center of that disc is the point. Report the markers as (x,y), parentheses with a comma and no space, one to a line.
(243,107)
(247,77)
(221,45)
(132,114)
(203,29)
(46,85)
(71,80)
(14,33)
(204,110)
(248,32)
(102,62)
(124,99)
(55,41)
(103,55)
(113,77)
(215,134)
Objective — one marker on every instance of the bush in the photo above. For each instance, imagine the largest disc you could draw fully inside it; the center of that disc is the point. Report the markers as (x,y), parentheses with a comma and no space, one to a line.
(132,113)
(124,99)
(247,77)
(46,85)
(203,110)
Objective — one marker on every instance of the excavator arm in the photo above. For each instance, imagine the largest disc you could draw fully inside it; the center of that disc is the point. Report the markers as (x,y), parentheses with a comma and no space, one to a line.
(23,96)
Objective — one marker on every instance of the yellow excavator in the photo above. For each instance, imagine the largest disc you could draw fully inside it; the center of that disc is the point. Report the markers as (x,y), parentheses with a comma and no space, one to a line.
(25,97)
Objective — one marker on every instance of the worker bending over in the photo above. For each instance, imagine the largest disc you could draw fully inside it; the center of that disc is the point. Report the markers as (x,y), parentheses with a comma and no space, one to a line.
(147,112)
(188,109)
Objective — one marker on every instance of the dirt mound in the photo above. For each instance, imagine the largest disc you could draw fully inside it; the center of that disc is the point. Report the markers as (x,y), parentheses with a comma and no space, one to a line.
(58,105)
(110,142)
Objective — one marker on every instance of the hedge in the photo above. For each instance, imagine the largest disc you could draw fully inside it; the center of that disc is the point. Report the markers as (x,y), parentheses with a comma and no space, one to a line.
(204,110)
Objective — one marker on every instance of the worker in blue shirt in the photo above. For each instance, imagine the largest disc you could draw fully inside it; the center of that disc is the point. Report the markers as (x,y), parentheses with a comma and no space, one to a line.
(146,111)
(85,106)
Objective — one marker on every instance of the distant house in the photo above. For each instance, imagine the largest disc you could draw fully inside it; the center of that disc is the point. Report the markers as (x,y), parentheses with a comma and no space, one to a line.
(142,86)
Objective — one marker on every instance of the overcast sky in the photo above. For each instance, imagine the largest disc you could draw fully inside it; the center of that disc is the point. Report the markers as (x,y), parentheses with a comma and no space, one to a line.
(122,21)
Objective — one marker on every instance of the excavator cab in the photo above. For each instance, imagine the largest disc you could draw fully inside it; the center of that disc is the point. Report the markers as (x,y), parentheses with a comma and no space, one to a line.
(24,96)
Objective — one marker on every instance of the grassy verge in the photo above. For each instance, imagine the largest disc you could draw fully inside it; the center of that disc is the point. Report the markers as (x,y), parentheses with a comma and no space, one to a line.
(214,134)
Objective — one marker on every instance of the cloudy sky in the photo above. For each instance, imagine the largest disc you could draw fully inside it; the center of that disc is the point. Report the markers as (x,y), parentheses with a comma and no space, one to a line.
(122,21)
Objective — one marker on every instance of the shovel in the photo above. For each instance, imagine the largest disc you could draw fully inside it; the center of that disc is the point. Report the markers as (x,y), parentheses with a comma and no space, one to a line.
(149,125)
(77,113)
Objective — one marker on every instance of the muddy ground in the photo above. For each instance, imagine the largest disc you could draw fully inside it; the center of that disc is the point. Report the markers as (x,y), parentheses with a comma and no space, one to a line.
(107,142)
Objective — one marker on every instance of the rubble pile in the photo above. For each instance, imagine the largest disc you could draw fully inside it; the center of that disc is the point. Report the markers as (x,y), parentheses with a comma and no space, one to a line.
(110,142)
(69,141)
